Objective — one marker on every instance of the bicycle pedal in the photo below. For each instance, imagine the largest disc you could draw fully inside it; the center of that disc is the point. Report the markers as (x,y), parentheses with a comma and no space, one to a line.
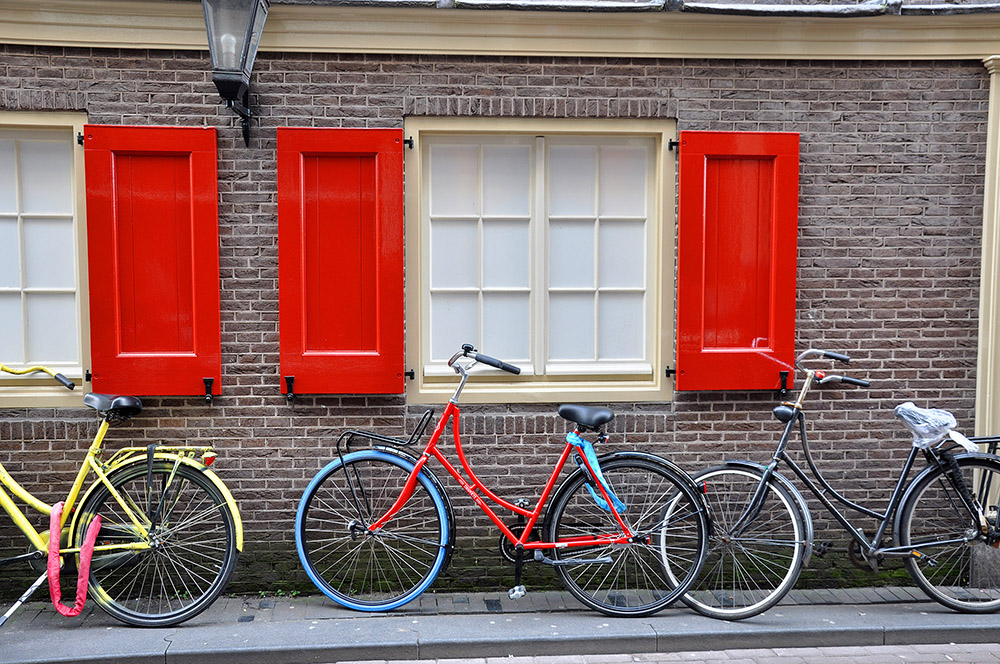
(821,548)
(517,592)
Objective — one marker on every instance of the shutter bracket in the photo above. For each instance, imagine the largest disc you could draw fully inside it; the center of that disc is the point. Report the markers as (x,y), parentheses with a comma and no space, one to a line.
(411,374)
(674,145)
(671,372)
(408,142)
(290,384)
(208,389)
(784,382)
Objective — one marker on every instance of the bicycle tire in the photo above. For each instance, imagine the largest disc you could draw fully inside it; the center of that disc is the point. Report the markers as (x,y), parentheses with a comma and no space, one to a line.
(634,582)
(358,569)
(962,576)
(747,574)
(193,548)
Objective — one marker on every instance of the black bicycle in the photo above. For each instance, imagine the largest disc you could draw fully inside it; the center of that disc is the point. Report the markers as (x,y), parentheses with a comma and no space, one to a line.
(944,523)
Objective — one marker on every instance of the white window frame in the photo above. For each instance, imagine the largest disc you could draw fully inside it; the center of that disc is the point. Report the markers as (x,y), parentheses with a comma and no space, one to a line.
(625,381)
(40,390)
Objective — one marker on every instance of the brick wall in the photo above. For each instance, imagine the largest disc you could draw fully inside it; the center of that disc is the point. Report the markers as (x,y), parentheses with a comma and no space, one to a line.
(890,219)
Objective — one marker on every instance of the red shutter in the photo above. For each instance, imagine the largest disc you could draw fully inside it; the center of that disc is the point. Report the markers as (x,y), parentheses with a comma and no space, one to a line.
(153,243)
(340,253)
(737,225)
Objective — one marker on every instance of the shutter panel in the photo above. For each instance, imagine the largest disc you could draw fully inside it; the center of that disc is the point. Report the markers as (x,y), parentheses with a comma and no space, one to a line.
(153,245)
(737,226)
(340,253)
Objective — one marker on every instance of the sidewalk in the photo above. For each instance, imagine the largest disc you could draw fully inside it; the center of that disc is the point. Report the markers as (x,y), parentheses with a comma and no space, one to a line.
(464,626)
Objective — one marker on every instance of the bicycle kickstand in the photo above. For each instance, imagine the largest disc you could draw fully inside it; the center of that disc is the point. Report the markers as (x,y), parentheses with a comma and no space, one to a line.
(23,598)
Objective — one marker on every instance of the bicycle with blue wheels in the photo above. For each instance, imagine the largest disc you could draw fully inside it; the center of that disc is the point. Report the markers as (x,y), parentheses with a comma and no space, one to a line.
(626,532)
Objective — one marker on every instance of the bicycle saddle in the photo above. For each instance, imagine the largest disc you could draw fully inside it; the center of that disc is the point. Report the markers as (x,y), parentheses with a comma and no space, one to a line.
(123,406)
(587,416)
(928,425)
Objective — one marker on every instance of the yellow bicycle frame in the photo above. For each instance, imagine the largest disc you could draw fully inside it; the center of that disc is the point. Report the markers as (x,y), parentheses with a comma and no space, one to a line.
(125,457)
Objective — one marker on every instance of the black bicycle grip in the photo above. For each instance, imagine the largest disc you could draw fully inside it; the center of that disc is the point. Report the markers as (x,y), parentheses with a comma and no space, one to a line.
(836,356)
(64,381)
(855,381)
(494,362)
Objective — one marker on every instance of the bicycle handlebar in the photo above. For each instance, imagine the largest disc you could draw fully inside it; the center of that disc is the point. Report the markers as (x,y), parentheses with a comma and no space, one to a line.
(61,379)
(468,350)
(823,378)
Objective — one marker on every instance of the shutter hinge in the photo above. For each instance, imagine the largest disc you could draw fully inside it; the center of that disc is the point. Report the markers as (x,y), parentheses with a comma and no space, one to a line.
(87,377)
(411,374)
(290,384)
(784,382)
(409,142)
(79,138)
(674,145)
(671,372)
(208,389)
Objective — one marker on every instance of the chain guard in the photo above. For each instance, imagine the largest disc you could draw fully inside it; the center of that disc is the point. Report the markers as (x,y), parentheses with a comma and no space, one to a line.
(859,559)
(507,550)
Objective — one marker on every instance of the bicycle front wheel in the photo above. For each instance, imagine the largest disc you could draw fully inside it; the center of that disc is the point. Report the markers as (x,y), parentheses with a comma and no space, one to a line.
(956,567)
(665,516)
(358,568)
(751,567)
(191,552)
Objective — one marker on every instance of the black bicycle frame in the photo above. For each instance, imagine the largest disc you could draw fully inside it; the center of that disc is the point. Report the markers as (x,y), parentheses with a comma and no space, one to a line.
(820,492)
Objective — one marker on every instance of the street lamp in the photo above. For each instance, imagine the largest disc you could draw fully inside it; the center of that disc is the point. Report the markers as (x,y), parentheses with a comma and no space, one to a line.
(234,28)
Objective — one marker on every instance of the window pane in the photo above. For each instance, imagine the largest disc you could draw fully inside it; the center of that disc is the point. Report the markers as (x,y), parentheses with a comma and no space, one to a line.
(454,180)
(11,337)
(507,180)
(454,254)
(623,181)
(454,321)
(46,176)
(52,330)
(48,253)
(9,255)
(571,173)
(506,326)
(623,254)
(621,327)
(506,254)
(571,326)
(8,183)
(571,254)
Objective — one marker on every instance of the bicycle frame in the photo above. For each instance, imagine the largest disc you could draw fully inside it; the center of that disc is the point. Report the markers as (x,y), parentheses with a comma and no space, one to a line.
(452,414)
(820,491)
(92,463)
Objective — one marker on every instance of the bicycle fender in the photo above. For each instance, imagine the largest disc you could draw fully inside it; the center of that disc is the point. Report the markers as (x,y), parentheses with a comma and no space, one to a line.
(216,480)
(450,547)
(923,473)
(796,494)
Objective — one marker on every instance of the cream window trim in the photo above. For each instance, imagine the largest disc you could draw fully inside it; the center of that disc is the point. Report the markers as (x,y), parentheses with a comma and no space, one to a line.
(492,386)
(23,392)
(988,372)
(161,24)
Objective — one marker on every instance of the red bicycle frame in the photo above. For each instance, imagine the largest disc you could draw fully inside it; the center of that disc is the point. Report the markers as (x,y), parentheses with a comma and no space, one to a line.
(452,414)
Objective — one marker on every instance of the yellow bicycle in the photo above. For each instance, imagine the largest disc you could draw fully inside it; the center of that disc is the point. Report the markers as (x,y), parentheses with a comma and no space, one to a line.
(168,532)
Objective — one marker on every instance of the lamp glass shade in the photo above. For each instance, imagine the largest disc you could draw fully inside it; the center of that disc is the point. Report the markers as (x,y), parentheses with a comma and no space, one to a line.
(234,28)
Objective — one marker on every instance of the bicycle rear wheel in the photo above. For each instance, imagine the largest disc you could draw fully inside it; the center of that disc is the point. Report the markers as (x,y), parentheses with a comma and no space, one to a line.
(192,551)
(354,567)
(746,571)
(957,567)
(665,515)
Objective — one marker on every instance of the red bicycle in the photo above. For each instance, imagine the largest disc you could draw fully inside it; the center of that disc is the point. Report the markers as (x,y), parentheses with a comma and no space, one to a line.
(626,532)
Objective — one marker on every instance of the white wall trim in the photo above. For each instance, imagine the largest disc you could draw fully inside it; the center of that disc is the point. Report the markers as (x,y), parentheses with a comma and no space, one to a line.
(158,24)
